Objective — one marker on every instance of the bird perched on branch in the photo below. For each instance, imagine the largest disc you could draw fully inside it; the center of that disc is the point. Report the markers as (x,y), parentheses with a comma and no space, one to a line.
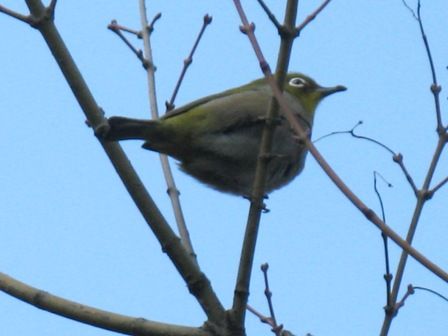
(217,138)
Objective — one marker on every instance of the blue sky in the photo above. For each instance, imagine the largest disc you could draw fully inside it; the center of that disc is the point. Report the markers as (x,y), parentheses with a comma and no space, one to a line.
(67,225)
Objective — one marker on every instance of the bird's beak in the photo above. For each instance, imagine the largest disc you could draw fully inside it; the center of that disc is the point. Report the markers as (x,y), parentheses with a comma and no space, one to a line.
(326,91)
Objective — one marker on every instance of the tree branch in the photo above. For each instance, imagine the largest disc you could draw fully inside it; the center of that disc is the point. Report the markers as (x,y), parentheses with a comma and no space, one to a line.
(197,282)
(172,190)
(92,316)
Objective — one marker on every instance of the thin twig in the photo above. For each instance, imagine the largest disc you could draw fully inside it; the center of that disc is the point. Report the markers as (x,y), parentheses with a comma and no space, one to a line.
(431,291)
(400,303)
(172,189)
(114,25)
(263,318)
(396,157)
(410,9)
(311,17)
(15,15)
(387,275)
(435,88)
(187,62)
(116,28)
(438,186)
(270,15)
(276,328)
(411,290)
(150,27)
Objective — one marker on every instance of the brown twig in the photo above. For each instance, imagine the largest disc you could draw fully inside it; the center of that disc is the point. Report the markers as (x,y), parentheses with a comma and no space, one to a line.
(172,189)
(15,15)
(263,318)
(400,303)
(396,157)
(276,328)
(187,62)
(387,275)
(435,87)
(410,291)
(311,17)
(270,15)
(117,29)
(437,187)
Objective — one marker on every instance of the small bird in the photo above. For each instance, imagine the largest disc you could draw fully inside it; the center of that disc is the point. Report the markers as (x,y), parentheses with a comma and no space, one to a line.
(216,139)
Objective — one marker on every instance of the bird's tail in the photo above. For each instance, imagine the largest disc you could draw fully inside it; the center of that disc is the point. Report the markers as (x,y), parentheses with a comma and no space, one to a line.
(122,128)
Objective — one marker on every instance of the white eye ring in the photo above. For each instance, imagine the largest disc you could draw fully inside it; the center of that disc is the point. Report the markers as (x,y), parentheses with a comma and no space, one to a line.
(297,82)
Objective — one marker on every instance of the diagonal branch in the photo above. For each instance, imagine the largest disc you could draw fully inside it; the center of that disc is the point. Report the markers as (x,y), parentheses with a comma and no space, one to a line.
(92,316)
(15,15)
(311,17)
(187,62)
(197,282)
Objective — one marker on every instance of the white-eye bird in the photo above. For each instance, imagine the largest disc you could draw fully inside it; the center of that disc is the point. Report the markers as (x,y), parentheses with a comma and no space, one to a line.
(216,139)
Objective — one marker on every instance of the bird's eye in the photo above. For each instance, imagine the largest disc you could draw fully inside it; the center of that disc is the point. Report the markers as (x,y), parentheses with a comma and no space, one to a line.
(298,82)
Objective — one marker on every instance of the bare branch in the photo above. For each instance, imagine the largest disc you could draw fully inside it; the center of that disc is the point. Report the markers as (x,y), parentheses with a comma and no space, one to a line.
(396,157)
(188,61)
(15,15)
(270,15)
(92,316)
(410,291)
(197,282)
(150,27)
(438,186)
(116,28)
(263,318)
(410,9)
(400,303)
(430,291)
(276,328)
(311,17)
(387,275)
(435,88)
(172,190)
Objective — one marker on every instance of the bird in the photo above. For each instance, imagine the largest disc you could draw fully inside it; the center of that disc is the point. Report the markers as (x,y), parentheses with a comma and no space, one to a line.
(216,139)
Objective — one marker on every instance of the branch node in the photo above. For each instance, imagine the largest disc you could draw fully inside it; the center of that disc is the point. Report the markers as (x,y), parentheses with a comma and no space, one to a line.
(435,88)
(247,28)
(48,15)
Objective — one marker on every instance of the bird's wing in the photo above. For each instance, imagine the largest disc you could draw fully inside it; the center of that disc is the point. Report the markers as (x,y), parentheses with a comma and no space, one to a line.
(226,112)
(257,85)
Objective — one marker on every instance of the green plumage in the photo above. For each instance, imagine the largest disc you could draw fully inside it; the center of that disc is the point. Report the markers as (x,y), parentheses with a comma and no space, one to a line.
(216,139)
